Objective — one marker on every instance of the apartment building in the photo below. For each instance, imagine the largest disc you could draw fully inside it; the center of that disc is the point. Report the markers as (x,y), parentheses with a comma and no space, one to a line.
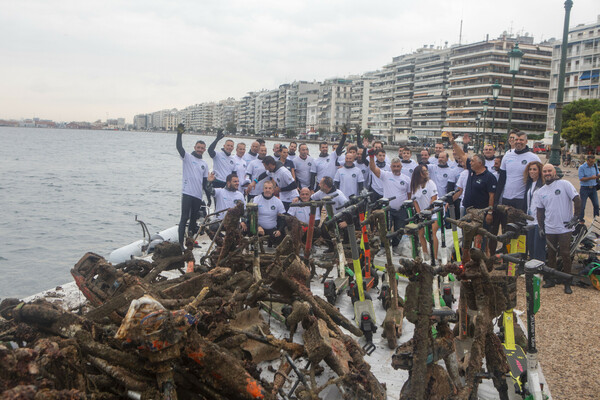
(381,102)
(430,94)
(582,69)
(360,95)
(334,104)
(475,67)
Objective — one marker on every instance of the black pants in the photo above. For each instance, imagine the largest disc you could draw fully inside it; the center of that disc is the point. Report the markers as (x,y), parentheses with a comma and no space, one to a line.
(273,241)
(398,219)
(190,210)
(562,243)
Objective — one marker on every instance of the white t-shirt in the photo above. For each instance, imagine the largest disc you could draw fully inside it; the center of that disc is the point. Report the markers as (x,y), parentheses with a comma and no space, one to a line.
(226,199)
(249,157)
(303,213)
(462,183)
(409,167)
(195,170)
(268,210)
(292,157)
(253,171)
(223,165)
(283,178)
(325,166)
(433,160)
(376,182)
(341,160)
(366,172)
(338,201)
(441,176)
(423,195)
(557,199)
(240,169)
(303,168)
(349,179)
(490,166)
(395,185)
(514,164)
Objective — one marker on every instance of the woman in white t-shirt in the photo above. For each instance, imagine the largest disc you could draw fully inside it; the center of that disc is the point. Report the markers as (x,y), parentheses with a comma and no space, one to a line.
(424,193)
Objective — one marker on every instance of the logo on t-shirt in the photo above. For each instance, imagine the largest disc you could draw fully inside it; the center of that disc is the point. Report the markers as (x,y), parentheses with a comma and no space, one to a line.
(524,162)
(557,192)
(309,164)
(411,170)
(445,175)
(354,175)
(402,182)
(424,191)
(202,166)
(478,181)
(272,207)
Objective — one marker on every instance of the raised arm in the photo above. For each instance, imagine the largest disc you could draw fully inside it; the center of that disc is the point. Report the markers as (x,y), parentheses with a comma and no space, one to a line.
(340,147)
(372,166)
(178,144)
(211,148)
(460,154)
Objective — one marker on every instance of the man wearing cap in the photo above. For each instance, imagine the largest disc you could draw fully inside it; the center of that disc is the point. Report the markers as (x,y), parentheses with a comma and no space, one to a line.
(588,175)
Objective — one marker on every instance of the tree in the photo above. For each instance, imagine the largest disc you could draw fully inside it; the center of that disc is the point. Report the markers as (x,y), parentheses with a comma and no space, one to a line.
(596,127)
(579,131)
(585,106)
(230,127)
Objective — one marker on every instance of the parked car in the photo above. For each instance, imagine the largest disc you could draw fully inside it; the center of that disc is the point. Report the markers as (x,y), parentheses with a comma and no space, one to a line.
(539,149)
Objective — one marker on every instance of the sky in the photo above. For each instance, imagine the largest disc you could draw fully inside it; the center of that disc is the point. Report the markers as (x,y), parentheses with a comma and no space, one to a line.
(87,60)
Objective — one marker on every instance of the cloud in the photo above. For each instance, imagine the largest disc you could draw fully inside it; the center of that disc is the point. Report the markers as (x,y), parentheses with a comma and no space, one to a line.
(83,59)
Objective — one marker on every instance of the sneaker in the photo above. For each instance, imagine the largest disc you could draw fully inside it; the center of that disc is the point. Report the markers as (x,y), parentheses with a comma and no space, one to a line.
(568,289)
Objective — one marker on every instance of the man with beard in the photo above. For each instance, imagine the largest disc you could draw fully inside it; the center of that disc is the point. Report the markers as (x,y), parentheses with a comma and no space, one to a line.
(241,165)
(303,165)
(226,197)
(254,170)
(326,164)
(424,157)
(195,174)
(223,162)
(283,179)
(511,185)
(555,203)
(439,147)
(292,151)
(349,179)
(270,210)
(395,184)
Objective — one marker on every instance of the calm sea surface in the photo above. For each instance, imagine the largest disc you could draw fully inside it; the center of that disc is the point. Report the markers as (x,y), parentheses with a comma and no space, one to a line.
(66,192)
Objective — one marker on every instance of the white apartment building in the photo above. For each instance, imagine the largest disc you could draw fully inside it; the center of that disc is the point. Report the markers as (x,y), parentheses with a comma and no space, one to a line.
(582,69)
(359,105)
(381,103)
(334,105)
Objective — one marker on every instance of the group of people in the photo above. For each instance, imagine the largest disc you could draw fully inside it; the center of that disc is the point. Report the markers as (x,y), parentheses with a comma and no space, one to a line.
(290,174)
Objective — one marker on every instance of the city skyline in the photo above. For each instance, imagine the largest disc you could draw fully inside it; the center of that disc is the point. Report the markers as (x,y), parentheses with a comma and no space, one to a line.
(75,62)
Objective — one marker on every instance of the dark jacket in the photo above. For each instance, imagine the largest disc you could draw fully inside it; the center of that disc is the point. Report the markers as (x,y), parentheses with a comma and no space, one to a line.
(538,184)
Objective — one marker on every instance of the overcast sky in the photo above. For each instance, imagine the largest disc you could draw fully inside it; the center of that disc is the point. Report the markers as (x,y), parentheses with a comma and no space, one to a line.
(86,60)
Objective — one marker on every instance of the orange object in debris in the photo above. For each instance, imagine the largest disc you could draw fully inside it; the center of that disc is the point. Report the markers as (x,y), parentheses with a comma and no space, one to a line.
(254,389)
(190,267)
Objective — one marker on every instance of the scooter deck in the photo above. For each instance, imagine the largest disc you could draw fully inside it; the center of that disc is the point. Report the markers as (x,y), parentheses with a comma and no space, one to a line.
(517,361)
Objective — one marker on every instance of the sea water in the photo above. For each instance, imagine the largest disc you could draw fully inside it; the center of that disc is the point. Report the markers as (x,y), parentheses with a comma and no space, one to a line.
(66,192)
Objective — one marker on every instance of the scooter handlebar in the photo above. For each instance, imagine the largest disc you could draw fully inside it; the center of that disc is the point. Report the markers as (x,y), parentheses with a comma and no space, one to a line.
(535,266)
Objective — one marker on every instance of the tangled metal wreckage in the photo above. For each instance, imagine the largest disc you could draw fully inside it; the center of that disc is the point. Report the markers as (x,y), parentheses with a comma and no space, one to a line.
(228,328)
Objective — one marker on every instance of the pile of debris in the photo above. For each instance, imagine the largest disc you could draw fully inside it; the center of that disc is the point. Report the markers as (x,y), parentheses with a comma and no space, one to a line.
(199,336)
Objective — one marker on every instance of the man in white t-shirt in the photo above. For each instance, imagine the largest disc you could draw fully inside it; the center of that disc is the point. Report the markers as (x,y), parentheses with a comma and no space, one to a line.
(443,174)
(254,169)
(555,203)
(292,151)
(303,214)
(270,211)
(511,184)
(240,165)
(283,179)
(439,147)
(195,172)
(223,162)
(381,163)
(488,153)
(349,179)
(395,184)
(253,153)
(303,164)
(228,196)
(326,164)
(408,164)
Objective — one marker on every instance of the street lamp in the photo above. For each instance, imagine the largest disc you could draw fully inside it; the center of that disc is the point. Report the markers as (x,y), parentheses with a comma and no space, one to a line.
(555,152)
(514,62)
(477,137)
(495,93)
(485,110)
